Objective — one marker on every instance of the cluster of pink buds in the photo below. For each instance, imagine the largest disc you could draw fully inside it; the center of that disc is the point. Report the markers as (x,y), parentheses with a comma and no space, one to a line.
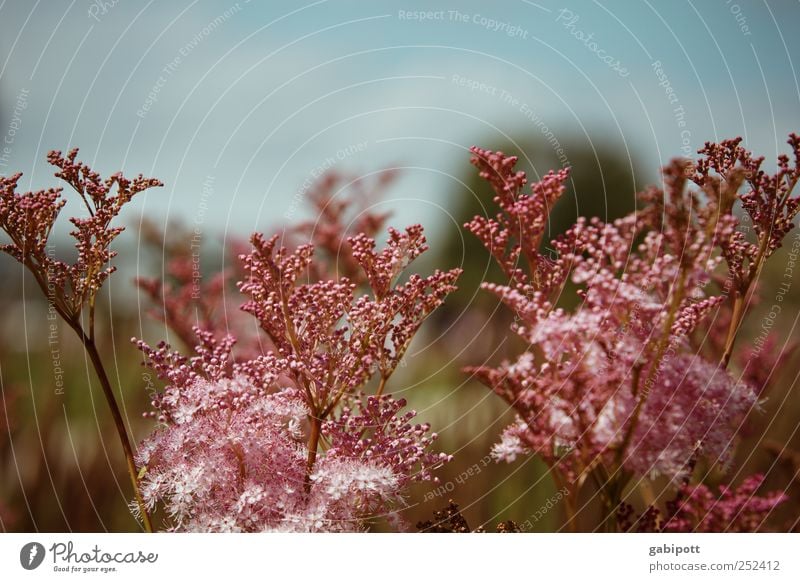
(287,440)
(626,385)
(71,289)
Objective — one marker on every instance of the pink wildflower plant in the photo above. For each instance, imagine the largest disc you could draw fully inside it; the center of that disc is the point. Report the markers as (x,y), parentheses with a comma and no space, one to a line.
(288,440)
(72,288)
(739,509)
(618,387)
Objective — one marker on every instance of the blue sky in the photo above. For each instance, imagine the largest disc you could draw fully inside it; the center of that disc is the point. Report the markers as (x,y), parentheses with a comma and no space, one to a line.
(256,96)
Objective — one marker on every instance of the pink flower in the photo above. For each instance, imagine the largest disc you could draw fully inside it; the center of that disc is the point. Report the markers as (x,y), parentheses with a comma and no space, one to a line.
(697,509)
(230,455)
(239,448)
(694,406)
(28,219)
(619,380)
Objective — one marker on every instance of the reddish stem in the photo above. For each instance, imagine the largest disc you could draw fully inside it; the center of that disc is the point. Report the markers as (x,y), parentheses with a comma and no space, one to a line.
(94,356)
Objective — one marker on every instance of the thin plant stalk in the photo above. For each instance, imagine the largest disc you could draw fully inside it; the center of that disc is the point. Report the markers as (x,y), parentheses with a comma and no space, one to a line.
(90,346)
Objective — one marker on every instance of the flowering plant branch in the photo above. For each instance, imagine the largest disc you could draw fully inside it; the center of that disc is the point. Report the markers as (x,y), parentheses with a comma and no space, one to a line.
(266,413)
(72,289)
(617,388)
(333,341)
(278,432)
